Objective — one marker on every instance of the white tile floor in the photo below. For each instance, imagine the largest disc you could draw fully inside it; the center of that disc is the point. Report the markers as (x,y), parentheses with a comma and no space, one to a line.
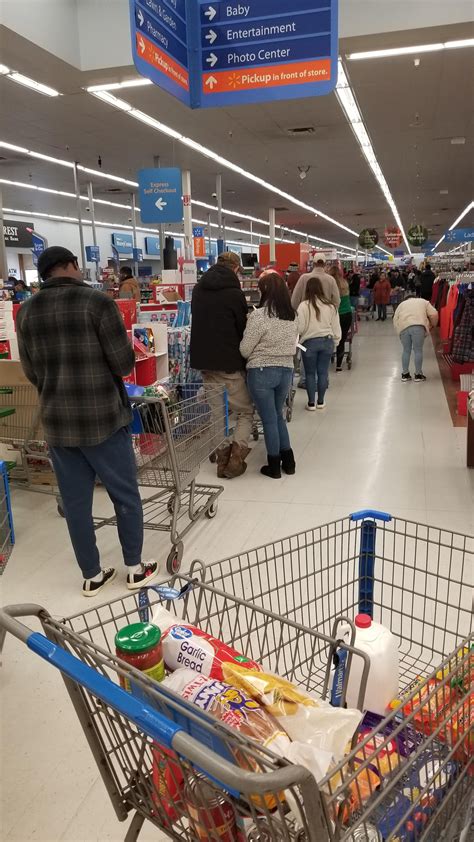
(379,444)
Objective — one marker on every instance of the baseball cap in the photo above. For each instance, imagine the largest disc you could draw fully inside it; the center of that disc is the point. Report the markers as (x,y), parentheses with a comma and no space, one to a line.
(230,258)
(53,256)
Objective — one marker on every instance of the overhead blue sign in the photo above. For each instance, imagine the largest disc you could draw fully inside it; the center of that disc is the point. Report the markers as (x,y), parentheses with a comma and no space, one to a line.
(152,245)
(198,232)
(460,235)
(211,54)
(161,195)
(138,255)
(123,243)
(93,254)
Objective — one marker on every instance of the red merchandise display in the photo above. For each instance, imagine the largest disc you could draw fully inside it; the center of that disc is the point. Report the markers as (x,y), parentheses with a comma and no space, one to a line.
(287,253)
(128,310)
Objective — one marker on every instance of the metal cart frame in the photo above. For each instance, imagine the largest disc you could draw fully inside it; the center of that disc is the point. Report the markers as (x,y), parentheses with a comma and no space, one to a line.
(170,441)
(7,532)
(334,567)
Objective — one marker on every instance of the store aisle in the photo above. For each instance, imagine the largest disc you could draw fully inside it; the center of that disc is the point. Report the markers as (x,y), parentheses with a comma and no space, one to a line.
(380,443)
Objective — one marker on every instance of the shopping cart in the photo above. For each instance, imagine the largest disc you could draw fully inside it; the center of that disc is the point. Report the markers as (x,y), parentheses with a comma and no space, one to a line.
(354,328)
(366,304)
(190,775)
(25,452)
(7,534)
(396,298)
(170,441)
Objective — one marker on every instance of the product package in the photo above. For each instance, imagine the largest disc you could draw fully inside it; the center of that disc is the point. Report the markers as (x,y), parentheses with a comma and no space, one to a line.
(185,646)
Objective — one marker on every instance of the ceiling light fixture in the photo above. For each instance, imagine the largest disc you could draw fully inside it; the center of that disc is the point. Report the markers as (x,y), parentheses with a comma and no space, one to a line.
(463,213)
(208,153)
(27,82)
(116,86)
(109,176)
(349,105)
(406,51)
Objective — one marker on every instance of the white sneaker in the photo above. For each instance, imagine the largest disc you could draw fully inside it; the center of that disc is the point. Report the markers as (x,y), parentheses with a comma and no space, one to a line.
(321,406)
(150,570)
(91,588)
(310,407)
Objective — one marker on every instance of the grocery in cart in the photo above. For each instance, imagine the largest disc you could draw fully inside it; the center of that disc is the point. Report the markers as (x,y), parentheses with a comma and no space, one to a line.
(171,439)
(206,702)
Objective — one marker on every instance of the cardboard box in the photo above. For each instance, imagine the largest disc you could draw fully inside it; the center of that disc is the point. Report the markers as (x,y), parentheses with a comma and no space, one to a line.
(12,374)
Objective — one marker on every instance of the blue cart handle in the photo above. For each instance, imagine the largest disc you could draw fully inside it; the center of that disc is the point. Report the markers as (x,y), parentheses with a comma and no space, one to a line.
(373,514)
(148,720)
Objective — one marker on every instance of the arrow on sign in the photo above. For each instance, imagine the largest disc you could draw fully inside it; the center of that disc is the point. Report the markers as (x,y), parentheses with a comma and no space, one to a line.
(140,17)
(211,13)
(212,36)
(212,60)
(141,44)
(211,82)
(160,204)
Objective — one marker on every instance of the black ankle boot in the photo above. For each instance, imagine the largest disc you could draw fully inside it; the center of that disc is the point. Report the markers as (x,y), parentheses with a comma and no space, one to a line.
(288,462)
(273,468)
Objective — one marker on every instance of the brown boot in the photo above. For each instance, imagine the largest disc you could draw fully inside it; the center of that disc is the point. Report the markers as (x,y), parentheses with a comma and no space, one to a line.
(236,465)
(223,455)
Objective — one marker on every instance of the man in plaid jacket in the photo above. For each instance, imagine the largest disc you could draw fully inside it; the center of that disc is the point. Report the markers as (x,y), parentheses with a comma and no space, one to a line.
(75,350)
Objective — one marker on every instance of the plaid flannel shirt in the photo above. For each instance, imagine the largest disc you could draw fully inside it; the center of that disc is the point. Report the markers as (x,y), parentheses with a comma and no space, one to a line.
(74,348)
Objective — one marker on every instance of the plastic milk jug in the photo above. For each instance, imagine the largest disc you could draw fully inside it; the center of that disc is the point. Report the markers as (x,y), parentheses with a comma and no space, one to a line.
(381,646)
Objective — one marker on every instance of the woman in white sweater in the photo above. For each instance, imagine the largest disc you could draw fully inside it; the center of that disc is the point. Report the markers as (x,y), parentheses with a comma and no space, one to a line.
(269,345)
(320,333)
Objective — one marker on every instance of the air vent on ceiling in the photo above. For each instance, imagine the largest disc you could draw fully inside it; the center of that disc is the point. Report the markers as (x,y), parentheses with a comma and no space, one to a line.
(236,221)
(281,209)
(113,190)
(301,130)
(358,214)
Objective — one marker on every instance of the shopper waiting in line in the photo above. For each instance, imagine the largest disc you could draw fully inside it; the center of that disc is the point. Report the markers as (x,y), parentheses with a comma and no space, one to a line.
(269,345)
(219,318)
(329,285)
(330,290)
(320,333)
(128,285)
(354,290)
(413,320)
(382,294)
(345,313)
(427,280)
(74,348)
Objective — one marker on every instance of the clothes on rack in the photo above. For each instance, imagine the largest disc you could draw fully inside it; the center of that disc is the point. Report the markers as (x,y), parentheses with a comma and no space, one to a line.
(463,335)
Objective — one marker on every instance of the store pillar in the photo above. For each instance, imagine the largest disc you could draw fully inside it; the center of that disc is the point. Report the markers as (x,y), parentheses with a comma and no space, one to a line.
(161,234)
(134,227)
(3,251)
(272,217)
(188,216)
(90,194)
(79,216)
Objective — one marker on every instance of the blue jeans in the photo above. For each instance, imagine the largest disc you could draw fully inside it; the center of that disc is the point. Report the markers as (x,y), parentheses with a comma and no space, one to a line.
(316,361)
(412,339)
(113,462)
(268,389)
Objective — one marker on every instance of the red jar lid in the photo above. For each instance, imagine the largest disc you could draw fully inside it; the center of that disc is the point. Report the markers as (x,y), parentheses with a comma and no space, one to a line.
(363,621)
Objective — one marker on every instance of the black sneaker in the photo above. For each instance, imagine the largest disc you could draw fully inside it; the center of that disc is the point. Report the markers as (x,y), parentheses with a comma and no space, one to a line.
(338,369)
(150,570)
(406,378)
(91,588)
(420,378)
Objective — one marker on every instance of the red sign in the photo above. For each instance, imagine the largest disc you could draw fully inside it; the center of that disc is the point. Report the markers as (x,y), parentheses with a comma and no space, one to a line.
(162,61)
(392,237)
(187,200)
(248,79)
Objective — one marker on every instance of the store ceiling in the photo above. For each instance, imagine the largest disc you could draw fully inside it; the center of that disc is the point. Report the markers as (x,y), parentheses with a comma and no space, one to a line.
(411,115)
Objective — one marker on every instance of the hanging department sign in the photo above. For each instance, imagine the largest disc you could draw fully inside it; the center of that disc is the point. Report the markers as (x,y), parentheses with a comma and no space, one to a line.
(213,54)
(417,235)
(368,238)
(18,234)
(392,237)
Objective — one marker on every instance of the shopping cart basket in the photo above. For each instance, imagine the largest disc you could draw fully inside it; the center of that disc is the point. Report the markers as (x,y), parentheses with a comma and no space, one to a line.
(175,767)
(26,452)
(170,442)
(366,300)
(7,534)
(396,298)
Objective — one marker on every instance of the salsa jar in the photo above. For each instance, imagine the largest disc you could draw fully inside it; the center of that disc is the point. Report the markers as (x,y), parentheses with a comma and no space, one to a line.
(140,646)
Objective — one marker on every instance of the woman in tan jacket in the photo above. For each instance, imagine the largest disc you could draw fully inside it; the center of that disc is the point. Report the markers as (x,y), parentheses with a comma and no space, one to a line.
(128,285)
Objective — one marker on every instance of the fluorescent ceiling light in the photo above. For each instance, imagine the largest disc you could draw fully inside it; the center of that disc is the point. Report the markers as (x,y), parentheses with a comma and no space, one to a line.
(4,70)
(407,51)
(115,86)
(463,213)
(208,153)
(349,105)
(31,83)
(118,179)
